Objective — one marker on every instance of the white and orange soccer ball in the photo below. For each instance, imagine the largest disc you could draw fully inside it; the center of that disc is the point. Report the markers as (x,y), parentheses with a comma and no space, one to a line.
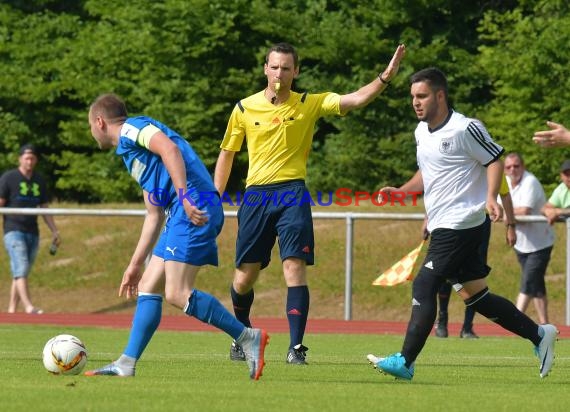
(64,355)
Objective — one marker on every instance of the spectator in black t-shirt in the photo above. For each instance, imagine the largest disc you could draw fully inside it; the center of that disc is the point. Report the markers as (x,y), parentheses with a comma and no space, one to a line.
(22,187)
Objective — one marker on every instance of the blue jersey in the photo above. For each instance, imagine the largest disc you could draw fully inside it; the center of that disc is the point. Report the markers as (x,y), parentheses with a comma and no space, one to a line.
(147,167)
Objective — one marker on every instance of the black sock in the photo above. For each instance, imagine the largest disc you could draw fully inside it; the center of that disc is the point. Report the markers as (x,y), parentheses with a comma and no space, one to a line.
(443,296)
(242,305)
(468,319)
(424,308)
(504,313)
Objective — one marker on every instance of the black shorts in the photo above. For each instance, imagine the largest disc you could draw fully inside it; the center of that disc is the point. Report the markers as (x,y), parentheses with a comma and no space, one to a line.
(533,267)
(458,256)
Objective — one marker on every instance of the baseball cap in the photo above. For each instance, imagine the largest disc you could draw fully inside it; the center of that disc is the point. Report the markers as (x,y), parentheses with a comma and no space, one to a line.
(565,166)
(30,148)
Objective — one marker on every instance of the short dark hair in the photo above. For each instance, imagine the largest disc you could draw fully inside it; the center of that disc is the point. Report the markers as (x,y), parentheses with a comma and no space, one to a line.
(565,166)
(28,148)
(285,48)
(434,77)
(111,107)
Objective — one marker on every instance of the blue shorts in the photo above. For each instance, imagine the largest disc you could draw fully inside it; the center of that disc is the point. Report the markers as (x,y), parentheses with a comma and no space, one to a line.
(182,241)
(270,211)
(22,248)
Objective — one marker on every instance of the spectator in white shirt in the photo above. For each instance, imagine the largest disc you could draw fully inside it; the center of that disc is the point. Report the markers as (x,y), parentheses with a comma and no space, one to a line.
(534,239)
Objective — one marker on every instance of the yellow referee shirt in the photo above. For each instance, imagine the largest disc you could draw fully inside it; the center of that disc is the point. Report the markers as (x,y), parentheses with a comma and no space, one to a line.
(279,137)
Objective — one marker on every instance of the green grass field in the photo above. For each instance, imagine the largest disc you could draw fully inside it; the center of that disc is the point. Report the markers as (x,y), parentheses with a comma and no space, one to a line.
(190,371)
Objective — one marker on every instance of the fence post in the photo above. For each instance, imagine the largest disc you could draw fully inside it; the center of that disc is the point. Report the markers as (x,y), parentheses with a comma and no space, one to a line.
(348,267)
(568,272)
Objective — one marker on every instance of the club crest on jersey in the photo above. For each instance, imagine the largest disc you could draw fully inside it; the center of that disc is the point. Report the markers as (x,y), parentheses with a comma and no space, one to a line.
(446,146)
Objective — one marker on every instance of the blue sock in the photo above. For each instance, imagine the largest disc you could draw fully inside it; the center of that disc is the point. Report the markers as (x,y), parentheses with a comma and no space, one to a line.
(297,313)
(208,309)
(145,322)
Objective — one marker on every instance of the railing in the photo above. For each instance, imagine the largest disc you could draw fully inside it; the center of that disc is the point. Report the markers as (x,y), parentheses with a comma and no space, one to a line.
(347,216)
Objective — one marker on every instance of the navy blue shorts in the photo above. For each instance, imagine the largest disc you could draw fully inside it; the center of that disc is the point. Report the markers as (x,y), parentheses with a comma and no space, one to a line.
(533,267)
(458,256)
(279,210)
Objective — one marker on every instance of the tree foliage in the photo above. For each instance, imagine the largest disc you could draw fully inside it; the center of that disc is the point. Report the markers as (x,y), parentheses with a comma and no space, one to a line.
(187,62)
(523,54)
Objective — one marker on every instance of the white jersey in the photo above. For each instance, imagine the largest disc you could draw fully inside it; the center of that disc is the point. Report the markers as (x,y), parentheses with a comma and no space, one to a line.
(452,161)
(531,236)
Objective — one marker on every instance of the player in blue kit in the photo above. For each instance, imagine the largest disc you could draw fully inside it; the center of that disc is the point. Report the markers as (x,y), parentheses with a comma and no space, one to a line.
(173,179)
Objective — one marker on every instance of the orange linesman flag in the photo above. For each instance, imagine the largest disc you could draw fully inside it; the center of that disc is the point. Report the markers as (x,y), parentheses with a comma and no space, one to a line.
(401,271)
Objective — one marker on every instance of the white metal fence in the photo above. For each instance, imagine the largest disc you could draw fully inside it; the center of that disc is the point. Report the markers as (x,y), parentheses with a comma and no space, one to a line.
(348,217)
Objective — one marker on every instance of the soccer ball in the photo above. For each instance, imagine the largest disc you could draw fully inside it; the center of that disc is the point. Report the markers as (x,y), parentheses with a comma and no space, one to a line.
(64,355)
